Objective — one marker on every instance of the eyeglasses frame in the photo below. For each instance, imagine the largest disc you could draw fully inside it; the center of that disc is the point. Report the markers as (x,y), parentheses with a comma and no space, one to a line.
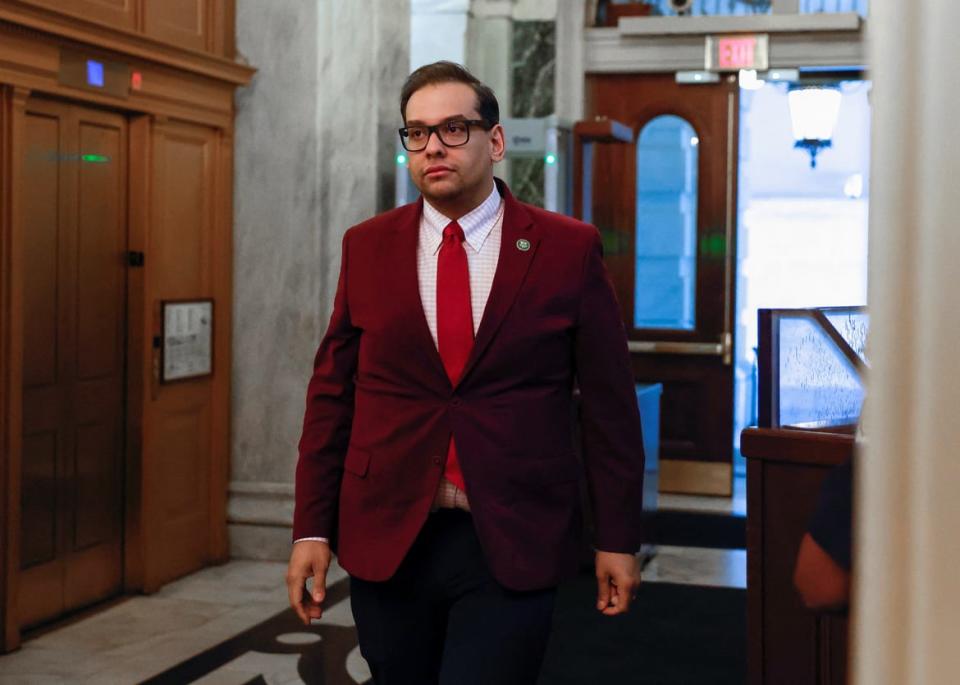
(482,123)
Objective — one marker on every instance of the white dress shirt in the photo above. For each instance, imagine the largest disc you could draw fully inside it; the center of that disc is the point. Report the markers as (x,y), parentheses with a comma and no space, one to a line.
(482,231)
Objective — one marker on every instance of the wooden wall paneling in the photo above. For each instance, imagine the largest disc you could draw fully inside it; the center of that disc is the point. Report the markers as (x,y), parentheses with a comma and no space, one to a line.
(13,102)
(33,62)
(178,417)
(139,349)
(50,26)
(228,29)
(121,14)
(786,642)
(184,23)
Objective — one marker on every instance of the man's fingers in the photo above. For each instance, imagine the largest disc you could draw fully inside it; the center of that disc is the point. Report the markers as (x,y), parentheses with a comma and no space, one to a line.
(319,586)
(619,598)
(295,589)
(603,592)
(624,597)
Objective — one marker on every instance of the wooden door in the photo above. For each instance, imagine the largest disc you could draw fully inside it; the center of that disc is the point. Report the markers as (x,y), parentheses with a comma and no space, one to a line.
(74,210)
(669,245)
(184,458)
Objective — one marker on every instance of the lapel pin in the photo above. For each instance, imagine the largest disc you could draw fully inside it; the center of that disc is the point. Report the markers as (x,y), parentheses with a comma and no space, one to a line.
(523,244)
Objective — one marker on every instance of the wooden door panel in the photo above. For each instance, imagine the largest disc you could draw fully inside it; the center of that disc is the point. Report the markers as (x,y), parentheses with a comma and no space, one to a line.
(697,403)
(178,458)
(117,13)
(96,537)
(41,250)
(38,533)
(182,22)
(73,398)
(101,246)
(46,438)
(99,471)
(184,177)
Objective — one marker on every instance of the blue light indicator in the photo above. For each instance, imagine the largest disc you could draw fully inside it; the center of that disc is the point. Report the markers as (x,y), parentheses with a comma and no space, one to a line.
(94,73)
(401,159)
(550,159)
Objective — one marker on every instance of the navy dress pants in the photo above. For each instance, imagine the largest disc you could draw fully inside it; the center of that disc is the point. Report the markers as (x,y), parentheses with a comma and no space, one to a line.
(442,619)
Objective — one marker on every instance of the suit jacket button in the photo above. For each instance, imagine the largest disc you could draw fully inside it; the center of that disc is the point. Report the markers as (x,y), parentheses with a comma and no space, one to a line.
(437,460)
(455,402)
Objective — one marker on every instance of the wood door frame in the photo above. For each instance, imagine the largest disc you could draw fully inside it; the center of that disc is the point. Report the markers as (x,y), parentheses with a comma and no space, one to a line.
(13,105)
(702,466)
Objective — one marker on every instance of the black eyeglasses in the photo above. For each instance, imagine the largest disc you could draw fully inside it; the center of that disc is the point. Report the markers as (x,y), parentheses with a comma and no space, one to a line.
(453,133)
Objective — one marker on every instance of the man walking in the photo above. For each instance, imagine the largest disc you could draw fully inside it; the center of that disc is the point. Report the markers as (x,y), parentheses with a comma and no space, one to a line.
(437,455)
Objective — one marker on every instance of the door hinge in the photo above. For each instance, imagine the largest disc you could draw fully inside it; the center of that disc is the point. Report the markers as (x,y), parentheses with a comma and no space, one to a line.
(135,258)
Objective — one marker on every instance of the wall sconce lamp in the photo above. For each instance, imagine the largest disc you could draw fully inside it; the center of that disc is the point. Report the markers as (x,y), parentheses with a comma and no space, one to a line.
(813,114)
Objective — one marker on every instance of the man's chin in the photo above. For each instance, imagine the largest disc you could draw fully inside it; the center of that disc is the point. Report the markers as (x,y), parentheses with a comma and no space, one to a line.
(441,188)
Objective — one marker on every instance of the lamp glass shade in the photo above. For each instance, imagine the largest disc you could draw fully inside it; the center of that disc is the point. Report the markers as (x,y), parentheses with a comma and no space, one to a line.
(813,112)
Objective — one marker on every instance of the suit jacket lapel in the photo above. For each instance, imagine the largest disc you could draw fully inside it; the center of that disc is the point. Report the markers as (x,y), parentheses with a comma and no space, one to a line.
(399,258)
(518,232)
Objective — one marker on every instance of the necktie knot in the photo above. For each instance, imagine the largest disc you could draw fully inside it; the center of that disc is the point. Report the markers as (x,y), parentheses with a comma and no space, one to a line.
(453,231)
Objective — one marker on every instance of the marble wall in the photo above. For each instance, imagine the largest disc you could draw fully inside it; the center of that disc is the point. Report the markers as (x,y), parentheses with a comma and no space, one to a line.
(533,75)
(315,138)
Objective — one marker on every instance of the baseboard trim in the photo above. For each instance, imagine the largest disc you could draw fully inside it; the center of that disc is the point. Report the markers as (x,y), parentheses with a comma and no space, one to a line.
(696,477)
(260,520)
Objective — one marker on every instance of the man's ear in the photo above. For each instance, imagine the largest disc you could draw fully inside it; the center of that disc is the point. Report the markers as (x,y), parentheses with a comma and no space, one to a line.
(498,143)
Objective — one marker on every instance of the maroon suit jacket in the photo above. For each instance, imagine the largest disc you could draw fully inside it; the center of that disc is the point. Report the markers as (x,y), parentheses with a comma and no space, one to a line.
(380,408)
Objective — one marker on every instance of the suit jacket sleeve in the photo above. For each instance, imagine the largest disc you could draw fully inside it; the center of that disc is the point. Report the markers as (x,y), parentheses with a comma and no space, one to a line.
(610,419)
(327,420)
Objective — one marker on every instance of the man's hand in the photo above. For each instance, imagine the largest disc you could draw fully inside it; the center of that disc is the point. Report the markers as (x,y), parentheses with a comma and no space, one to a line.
(618,577)
(308,558)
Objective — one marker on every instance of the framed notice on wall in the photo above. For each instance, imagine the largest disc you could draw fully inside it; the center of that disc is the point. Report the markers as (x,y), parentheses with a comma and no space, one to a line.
(187,340)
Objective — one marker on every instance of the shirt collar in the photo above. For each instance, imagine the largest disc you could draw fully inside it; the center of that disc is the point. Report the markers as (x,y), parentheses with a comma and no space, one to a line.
(476,224)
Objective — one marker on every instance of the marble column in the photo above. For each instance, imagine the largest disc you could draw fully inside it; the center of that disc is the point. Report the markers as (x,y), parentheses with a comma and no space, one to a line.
(314,155)
(489,52)
(907,596)
(570,53)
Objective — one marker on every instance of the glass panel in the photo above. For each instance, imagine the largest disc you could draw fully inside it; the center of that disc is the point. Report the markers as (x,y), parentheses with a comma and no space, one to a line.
(712,7)
(666,267)
(817,383)
(743,7)
(834,6)
(853,326)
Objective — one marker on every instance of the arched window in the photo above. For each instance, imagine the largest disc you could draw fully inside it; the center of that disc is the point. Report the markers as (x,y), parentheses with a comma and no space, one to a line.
(666,241)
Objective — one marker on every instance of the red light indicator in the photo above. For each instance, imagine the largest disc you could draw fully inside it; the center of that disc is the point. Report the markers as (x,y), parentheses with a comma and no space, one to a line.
(136,80)
(736,53)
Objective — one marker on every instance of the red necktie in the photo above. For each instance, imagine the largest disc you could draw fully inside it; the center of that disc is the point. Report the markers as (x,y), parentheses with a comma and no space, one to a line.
(454,321)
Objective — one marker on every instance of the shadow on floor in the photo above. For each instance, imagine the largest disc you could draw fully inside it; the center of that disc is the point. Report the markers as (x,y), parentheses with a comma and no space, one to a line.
(673,634)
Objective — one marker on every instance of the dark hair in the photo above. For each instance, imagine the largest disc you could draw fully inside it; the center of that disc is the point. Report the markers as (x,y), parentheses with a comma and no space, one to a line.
(451,72)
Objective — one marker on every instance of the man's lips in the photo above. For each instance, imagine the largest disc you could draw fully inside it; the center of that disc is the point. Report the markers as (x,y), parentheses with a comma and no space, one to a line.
(436,170)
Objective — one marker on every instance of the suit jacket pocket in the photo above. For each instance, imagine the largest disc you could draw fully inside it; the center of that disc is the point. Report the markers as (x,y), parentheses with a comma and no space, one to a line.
(357,462)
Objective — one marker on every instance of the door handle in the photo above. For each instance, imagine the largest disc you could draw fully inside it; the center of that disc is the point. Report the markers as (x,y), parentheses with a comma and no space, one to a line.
(718,349)
(660,347)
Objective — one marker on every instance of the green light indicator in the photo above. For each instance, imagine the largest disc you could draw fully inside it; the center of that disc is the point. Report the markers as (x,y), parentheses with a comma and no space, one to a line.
(550,159)
(401,159)
(95,159)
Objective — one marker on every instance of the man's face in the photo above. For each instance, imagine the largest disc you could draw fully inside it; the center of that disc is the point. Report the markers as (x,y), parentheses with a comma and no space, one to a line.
(451,176)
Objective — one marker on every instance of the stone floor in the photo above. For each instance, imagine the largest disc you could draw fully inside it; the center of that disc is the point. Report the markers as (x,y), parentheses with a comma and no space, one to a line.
(135,639)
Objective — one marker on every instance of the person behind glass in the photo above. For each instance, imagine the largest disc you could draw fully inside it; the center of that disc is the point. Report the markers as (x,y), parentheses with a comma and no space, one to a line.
(437,457)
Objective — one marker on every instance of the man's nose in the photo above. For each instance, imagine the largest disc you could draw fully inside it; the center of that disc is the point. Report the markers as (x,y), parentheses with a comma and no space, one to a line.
(434,145)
